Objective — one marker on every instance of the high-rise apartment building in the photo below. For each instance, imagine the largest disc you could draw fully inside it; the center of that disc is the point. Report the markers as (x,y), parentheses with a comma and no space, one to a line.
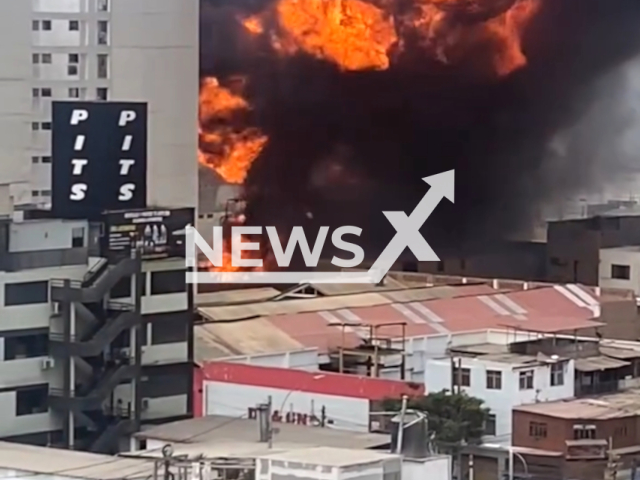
(105,50)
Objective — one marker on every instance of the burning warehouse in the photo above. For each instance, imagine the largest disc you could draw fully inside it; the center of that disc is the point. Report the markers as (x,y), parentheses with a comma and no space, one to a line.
(328,112)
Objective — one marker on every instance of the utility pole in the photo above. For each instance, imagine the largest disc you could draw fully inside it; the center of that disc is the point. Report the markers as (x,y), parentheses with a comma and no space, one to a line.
(612,462)
(270,421)
(403,412)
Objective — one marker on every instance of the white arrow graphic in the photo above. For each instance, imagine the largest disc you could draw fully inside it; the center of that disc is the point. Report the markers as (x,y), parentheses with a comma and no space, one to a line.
(408,227)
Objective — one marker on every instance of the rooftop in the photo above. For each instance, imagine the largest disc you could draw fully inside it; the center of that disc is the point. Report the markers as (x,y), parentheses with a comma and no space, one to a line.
(225,432)
(604,407)
(327,383)
(344,321)
(69,463)
(627,248)
(332,457)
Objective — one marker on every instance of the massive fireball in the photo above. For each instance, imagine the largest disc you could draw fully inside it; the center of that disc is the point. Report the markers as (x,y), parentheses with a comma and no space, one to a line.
(354,35)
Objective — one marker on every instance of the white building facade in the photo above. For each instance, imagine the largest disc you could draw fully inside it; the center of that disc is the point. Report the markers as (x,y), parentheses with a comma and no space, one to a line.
(502,385)
(40,253)
(99,50)
(620,268)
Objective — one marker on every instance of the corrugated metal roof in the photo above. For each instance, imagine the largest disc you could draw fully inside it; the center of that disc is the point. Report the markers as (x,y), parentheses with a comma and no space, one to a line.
(263,309)
(236,296)
(236,339)
(350,289)
(594,364)
(313,323)
(313,382)
(615,405)
(621,349)
(216,429)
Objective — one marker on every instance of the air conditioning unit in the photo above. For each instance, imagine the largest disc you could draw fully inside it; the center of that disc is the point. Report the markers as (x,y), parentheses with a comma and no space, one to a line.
(48,363)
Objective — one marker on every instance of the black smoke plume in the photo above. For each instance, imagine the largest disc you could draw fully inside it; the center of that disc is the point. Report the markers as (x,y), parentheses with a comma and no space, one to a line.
(346,145)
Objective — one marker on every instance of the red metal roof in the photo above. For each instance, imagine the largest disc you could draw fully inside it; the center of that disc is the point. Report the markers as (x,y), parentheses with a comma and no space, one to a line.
(544,309)
(326,383)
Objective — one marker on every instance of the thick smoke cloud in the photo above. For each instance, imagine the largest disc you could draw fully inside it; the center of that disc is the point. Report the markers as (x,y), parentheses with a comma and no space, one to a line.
(346,146)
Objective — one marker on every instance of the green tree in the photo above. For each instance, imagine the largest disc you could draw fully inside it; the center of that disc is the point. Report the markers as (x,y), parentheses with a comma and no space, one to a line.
(454,419)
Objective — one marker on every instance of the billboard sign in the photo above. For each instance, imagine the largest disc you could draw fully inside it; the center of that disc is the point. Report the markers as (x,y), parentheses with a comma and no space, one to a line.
(99,162)
(156,233)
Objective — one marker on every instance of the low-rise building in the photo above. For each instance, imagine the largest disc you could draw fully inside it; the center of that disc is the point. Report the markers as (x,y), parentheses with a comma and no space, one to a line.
(332,400)
(580,438)
(620,268)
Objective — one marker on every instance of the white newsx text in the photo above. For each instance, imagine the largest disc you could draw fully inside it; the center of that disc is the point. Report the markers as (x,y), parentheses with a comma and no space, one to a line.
(79,190)
(282,255)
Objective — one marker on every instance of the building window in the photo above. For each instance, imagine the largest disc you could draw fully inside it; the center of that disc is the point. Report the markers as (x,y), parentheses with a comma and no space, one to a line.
(46,193)
(74,25)
(103,66)
(526,380)
(557,374)
(35,126)
(74,92)
(537,430)
(35,25)
(35,59)
(169,281)
(26,293)
(102,5)
(462,377)
(103,32)
(74,58)
(46,93)
(494,380)
(72,70)
(169,327)
(35,159)
(46,159)
(46,25)
(46,58)
(440,266)
(35,193)
(102,93)
(77,237)
(35,92)
(620,272)
(30,400)
(490,425)
(46,126)
(25,346)
(582,432)
(620,431)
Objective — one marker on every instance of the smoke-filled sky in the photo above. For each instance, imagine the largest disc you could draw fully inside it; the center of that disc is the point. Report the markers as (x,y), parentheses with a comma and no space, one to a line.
(345,145)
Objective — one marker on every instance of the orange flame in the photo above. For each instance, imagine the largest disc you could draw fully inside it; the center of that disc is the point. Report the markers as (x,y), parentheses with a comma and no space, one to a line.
(227,145)
(356,35)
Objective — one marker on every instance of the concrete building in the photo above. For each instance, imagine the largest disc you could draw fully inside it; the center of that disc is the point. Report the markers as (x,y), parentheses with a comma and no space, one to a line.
(503,380)
(332,400)
(71,372)
(574,246)
(99,50)
(620,268)
(571,438)
(326,454)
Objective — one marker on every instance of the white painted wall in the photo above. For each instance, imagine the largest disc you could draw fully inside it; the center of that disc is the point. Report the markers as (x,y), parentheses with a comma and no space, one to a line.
(629,256)
(433,468)
(501,402)
(38,235)
(233,400)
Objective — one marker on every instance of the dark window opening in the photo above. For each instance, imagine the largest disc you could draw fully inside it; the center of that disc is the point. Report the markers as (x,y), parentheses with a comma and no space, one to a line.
(122,289)
(490,425)
(26,293)
(169,281)
(584,432)
(410,267)
(620,272)
(462,377)
(164,385)
(440,266)
(26,346)
(169,328)
(32,400)
(537,430)
(494,380)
